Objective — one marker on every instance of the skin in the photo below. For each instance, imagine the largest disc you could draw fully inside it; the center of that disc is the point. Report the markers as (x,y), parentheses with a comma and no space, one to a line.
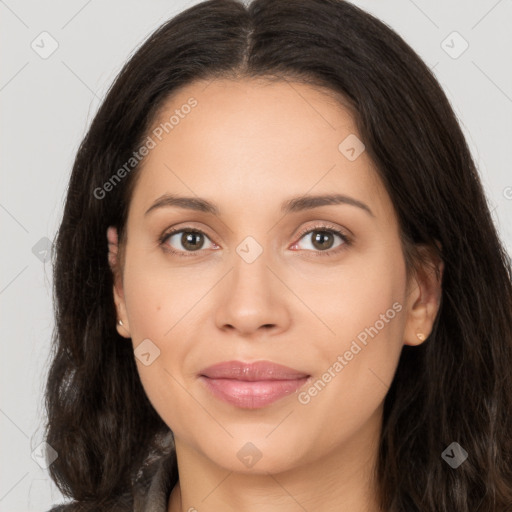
(265,143)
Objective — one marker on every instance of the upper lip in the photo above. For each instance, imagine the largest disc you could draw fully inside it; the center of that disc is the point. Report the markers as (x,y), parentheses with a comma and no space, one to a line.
(259,370)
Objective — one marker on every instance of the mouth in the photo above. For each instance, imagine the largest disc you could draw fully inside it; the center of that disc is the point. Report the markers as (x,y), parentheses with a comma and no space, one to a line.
(251,385)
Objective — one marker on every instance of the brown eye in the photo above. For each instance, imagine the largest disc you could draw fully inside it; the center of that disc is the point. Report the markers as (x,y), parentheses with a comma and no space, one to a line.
(192,240)
(184,241)
(322,240)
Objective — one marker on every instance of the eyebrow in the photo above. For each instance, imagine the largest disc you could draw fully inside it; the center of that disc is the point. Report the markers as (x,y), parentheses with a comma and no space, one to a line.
(295,204)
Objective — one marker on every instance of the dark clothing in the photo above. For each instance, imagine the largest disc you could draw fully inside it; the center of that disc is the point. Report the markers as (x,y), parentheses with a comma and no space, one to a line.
(150,494)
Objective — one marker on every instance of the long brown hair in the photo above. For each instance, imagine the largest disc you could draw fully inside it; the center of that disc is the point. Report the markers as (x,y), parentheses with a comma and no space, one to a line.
(455,387)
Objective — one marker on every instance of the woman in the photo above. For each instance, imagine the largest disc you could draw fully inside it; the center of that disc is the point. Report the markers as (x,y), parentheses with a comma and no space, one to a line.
(278,284)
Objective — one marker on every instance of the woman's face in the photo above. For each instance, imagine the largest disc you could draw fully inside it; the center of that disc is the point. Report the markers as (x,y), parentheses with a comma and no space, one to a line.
(264,280)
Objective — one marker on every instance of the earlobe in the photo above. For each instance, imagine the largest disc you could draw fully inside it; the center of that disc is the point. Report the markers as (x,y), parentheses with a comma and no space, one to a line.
(122,325)
(122,329)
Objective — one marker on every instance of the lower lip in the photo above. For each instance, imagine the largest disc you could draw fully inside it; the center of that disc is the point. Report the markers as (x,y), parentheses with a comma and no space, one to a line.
(251,394)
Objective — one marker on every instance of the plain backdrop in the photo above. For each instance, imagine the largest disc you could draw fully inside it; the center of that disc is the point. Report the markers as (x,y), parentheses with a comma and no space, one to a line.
(48,102)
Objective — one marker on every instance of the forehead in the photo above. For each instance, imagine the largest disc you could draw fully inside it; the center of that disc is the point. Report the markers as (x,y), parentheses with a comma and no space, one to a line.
(248,142)
(254,107)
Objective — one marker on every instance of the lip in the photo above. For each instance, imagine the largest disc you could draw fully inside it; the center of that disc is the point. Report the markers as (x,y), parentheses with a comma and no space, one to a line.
(251,385)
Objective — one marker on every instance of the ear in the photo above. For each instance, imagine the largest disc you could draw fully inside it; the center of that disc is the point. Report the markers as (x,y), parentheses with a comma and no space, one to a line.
(424,296)
(118,292)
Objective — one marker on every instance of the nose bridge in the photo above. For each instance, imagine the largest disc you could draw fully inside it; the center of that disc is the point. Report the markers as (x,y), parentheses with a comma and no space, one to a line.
(252,295)
(251,277)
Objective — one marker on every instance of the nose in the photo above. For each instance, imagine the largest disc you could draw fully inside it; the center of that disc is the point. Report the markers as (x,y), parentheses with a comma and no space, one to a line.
(253,299)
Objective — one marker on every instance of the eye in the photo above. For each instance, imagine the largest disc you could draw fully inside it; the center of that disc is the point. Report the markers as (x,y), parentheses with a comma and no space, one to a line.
(322,241)
(190,239)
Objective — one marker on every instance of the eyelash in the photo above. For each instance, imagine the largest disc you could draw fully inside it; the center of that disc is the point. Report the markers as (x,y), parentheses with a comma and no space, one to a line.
(320,227)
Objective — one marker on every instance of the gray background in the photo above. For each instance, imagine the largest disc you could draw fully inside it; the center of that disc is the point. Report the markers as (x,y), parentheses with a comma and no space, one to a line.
(47,104)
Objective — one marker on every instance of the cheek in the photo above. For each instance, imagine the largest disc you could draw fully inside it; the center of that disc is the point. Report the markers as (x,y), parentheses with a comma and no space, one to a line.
(365,312)
(358,294)
(158,297)
(160,306)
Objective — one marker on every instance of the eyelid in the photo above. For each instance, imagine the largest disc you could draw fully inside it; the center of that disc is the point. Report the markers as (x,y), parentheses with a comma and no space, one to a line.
(324,226)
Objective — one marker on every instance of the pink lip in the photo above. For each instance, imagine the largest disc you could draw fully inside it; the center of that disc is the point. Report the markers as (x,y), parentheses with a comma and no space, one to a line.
(251,385)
